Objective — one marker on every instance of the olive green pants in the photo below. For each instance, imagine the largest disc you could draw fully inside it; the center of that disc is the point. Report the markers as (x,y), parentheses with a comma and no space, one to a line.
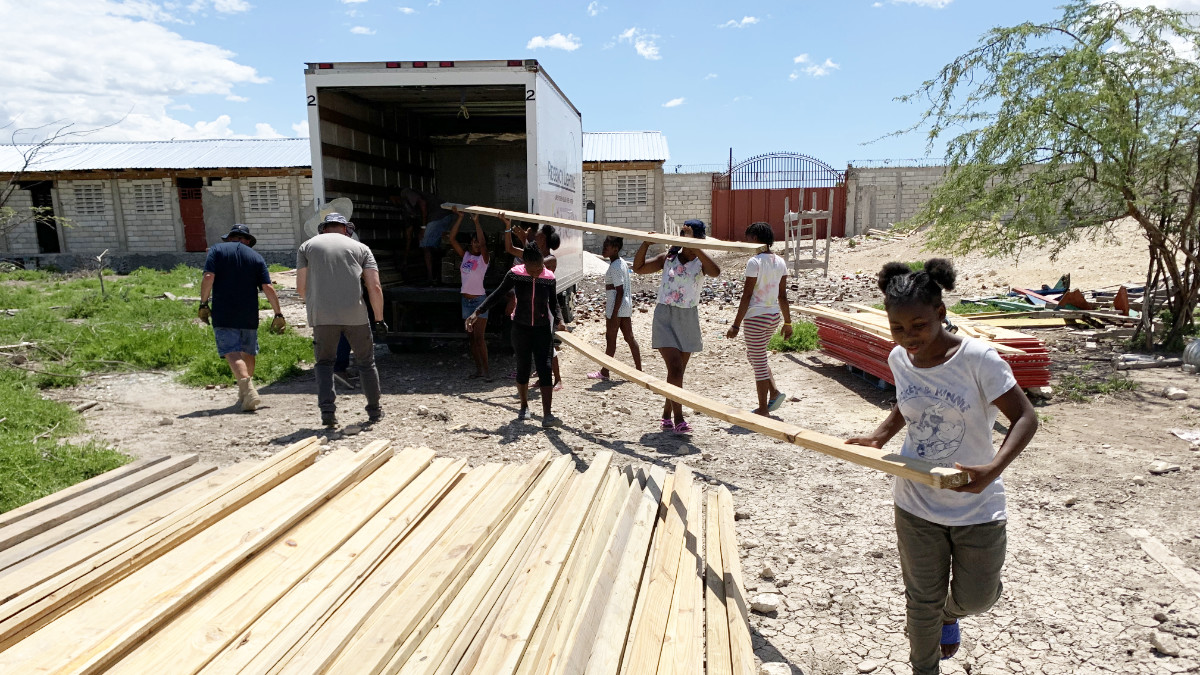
(949,572)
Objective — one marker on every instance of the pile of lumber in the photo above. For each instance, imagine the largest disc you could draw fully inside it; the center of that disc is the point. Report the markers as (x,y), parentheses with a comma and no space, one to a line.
(375,562)
(862,339)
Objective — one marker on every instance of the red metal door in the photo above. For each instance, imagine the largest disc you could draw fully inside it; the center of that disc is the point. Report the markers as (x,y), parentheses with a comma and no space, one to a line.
(734,210)
(191,210)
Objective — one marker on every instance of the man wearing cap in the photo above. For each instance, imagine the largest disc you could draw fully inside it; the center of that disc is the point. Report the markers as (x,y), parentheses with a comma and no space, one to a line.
(233,275)
(329,268)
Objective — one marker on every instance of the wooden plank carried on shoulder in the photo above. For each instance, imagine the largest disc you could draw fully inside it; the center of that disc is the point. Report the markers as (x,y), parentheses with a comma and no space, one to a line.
(34,607)
(441,650)
(90,638)
(708,243)
(51,517)
(201,631)
(276,631)
(35,548)
(648,634)
(24,511)
(910,468)
(738,611)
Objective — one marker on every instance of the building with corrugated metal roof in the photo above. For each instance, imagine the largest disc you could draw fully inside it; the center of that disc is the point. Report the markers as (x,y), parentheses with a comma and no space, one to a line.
(623,181)
(171,198)
(157,197)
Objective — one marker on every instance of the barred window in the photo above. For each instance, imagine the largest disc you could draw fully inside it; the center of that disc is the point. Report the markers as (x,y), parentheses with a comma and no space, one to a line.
(631,190)
(89,200)
(263,195)
(149,198)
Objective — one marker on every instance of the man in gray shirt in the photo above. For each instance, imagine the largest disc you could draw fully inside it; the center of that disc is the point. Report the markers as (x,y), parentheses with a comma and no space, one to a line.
(329,268)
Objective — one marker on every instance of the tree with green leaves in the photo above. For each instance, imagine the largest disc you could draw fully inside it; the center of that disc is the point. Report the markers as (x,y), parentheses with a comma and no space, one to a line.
(1060,130)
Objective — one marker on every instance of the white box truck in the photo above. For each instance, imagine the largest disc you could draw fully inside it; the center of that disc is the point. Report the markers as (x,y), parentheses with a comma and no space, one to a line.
(490,133)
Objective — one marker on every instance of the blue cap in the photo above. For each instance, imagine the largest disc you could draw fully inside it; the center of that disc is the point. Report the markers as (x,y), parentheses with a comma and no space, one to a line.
(697,227)
(241,230)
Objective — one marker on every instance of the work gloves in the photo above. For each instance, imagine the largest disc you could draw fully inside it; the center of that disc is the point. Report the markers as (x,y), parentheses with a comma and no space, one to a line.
(204,313)
(278,324)
(380,329)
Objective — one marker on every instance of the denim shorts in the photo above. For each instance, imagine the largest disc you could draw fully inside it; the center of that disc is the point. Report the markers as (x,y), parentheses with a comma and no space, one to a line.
(231,340)
(469,305)
(434,230)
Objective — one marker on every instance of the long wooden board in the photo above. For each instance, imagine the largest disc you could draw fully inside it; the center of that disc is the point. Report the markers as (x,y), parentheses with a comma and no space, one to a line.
(21,512)
(208,626)
(719,659)
(90,638)
(909,468)
(740,645)
(708,243)
(24,613)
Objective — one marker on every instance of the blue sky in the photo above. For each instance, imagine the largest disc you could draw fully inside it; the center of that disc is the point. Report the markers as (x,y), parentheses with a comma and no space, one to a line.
(816,77)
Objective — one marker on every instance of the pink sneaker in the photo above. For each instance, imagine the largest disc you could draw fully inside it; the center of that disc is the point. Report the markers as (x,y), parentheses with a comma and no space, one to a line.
(597,376)
(683,428)
(666,424)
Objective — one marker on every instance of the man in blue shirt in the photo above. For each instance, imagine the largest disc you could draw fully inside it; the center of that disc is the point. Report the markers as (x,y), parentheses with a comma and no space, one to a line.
(233,275)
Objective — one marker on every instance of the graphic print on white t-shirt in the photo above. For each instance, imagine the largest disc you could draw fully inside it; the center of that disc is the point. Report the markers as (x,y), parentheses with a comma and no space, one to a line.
(938,431)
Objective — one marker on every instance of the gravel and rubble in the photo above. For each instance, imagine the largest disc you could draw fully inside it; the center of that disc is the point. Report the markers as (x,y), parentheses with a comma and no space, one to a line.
(816,534)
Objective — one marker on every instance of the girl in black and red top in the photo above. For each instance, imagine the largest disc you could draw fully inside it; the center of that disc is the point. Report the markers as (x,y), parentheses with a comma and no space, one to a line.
(533,326)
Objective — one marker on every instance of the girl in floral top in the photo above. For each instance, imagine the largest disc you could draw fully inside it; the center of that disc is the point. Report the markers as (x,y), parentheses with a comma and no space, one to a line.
(676,329)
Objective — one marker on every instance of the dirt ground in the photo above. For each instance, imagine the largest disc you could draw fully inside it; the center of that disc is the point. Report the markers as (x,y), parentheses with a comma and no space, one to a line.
(1080,595)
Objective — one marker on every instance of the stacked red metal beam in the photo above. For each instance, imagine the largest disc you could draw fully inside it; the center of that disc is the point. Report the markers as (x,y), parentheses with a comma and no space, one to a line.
(869,352)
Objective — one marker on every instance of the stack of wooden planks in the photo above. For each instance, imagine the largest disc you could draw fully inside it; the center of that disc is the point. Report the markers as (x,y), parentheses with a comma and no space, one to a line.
(863,339)
(376,562)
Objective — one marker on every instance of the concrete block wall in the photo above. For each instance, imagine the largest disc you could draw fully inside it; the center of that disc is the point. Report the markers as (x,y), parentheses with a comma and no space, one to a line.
(601,187)
(151,232)
(687,195)
(881,197)
(275,229)
(93,232)
(23,239)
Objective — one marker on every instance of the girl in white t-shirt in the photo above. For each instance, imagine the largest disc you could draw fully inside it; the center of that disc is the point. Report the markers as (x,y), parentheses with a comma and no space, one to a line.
(618,305)
(764,307)
(948,390)
(475,261)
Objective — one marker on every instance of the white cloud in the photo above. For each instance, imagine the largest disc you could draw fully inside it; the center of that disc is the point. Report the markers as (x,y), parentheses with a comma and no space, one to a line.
(803,58)
(300,129)
(566,42)
(710,76)
(643,42)
(407,10)
(675,102)
(734,23)
(877,4)
(222,6)
(822,69)
(594,8)
(264,130)
(936,4)
(362,30)
(352,2)
(236,99)
(137,70)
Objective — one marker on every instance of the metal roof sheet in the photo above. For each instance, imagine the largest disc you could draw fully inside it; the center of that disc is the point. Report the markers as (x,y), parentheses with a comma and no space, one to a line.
(199,154)
(625,146)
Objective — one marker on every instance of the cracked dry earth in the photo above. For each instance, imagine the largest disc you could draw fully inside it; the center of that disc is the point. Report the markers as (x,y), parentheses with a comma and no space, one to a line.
(1080,594)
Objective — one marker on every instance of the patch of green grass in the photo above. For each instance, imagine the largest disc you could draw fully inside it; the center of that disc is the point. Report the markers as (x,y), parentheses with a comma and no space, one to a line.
(916,265)
(975,308)
(1081,389)
(804,338)
(33,463)
(78,330)
(276,267)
